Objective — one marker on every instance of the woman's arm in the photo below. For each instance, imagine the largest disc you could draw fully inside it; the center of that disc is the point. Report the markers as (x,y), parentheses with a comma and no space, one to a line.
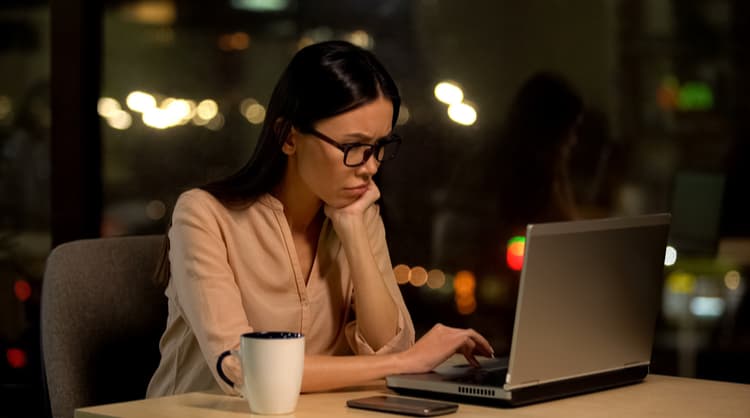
(441,342)
(376,307)
(331,372)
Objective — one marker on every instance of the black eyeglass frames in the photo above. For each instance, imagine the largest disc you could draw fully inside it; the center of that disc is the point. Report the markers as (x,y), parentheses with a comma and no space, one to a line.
(357,153)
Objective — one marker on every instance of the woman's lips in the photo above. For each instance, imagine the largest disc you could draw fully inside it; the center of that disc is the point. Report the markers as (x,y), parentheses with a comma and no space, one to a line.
(357,189)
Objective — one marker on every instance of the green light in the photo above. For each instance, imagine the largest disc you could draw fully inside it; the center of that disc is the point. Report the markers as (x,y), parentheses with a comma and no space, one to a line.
(695,95)
(261,5)
(516,239)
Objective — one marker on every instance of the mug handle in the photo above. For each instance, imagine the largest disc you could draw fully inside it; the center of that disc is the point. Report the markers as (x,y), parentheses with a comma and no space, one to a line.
(223,375)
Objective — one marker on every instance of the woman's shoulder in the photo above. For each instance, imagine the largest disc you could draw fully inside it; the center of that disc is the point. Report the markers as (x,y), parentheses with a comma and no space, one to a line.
(196,198)
(201,201)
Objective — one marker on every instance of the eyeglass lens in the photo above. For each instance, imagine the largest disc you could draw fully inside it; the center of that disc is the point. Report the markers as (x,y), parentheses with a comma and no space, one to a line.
(361,153)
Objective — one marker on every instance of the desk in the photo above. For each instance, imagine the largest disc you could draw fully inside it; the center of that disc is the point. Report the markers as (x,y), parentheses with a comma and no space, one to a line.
(658,396)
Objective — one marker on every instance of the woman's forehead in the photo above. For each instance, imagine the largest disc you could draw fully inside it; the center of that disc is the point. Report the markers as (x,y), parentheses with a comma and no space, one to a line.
(371,120)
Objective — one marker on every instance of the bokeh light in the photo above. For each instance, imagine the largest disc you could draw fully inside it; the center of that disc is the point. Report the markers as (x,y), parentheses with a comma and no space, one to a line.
(403,115)
(681,282)
(16,358)
(6,107)
(462,114)
(361,38)
(732,280)
(255,113)
(514,252)
(435,279)
(107,107)
(156,209)
(216,123)
(402,272)
(418,276)
(464,285)
(670,256)
(448,92)
(139,101)
(707,306)
(22,290)
(207,109)
(492,289)
(120,120)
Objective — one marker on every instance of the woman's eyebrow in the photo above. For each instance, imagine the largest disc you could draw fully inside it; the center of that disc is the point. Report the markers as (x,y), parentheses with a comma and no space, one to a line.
(363,137)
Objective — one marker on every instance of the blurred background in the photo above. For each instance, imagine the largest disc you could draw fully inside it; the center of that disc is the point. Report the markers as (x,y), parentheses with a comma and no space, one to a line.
(110,109)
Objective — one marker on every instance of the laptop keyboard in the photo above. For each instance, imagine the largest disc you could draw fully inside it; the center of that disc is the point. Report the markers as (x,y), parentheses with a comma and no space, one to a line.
(481,377)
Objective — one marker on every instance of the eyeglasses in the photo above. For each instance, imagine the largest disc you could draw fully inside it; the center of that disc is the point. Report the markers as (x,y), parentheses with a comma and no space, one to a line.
(357,153)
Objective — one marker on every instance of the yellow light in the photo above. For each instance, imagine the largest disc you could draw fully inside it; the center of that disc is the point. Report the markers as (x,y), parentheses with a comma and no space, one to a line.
(448,93)
(216,123)
(207,109)
(435,279)
(681,282)
(403,115)
(156,209)
(107,107)
(304,41)
(6,106)
(464,283)
(154,12)
(401,272)
(199,121)
(492,289)
(361,38)
(139,101)
(156,118)
(193,108)
(171,112)
(120,119)
(177,110)
(418,276)
(732,280)
(462,114)
(245,103)
(255,113)
(467,306)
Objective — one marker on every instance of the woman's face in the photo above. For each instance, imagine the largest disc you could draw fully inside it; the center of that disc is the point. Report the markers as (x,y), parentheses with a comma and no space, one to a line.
(320,165)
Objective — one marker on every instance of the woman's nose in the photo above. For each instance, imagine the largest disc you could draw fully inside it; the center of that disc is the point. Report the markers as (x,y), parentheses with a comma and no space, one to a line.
(370,167)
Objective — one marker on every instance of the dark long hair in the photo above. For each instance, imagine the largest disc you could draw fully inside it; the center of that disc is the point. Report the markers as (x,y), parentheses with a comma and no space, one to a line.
(321,81)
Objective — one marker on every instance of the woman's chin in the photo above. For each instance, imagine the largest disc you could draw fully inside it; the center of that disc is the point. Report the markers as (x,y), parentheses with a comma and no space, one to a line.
(340,201)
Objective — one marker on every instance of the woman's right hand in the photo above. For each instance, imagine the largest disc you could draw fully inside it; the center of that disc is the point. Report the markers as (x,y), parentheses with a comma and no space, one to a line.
(441,342)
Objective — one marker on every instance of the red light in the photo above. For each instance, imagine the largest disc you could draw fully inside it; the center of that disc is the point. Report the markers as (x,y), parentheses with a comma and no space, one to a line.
(22,289)
(16,358)
(514,253)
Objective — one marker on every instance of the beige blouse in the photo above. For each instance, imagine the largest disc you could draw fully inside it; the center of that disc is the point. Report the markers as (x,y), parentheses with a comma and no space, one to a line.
(236,271)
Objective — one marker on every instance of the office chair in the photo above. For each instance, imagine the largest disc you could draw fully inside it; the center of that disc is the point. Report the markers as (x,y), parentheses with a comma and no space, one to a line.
(101,320)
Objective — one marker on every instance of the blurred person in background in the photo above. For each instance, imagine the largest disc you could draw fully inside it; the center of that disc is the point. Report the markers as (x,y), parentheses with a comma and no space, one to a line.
(522,176)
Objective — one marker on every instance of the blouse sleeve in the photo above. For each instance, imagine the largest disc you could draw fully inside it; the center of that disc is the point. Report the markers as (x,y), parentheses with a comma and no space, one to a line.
(404,335)
(205,285)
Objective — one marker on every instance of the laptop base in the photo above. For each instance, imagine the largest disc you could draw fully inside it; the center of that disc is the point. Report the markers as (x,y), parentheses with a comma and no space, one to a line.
(539,393)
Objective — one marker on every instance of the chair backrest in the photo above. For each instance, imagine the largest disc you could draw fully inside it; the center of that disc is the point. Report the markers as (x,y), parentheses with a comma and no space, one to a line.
(102,317)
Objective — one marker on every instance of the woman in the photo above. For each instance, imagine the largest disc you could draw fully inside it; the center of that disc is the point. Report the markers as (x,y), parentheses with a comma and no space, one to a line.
(291,240)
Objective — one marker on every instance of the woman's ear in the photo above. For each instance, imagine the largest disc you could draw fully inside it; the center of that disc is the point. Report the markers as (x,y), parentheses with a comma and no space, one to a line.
(290,142)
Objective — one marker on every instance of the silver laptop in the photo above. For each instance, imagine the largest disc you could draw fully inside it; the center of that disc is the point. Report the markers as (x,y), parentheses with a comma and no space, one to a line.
(587,306)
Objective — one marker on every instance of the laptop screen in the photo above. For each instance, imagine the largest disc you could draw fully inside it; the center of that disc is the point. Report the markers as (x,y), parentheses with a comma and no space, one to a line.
(588,298)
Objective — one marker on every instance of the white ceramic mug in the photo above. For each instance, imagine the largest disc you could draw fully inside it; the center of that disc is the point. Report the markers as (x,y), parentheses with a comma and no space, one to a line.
(272,365)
